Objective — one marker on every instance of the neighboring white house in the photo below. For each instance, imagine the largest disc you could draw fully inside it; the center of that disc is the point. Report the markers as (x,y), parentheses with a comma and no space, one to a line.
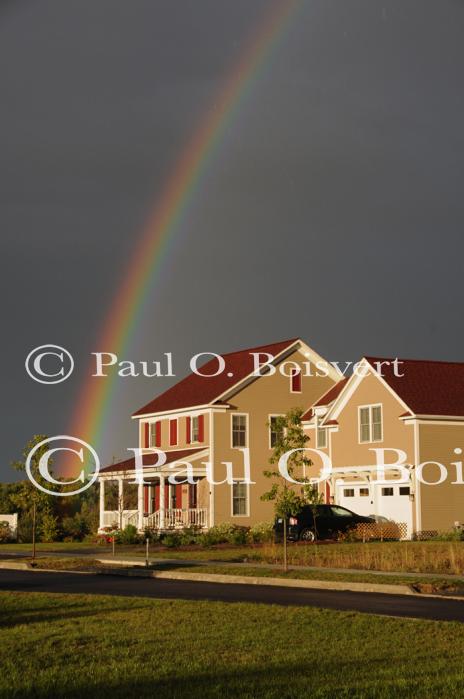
(12,521)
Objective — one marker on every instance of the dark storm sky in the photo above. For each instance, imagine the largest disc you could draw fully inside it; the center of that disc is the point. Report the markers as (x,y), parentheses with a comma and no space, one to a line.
(333,210)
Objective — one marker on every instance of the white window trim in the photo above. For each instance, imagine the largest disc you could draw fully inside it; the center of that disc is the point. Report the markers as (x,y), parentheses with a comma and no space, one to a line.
(247,514)
(176,420)
(269,429)
(370,406)
(292,374)
(247,429)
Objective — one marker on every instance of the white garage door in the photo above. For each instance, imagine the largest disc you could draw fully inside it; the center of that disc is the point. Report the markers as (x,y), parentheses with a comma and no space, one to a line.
(368,499)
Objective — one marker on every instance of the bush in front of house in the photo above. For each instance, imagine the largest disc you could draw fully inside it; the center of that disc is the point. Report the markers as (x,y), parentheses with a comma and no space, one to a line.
(153,535)
(224,534)
(261,533)
(128,535)
(172,540)
(75,528)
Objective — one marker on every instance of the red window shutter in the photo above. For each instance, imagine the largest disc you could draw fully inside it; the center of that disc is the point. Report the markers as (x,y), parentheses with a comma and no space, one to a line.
(145,498)
(167,504)
(158,434)
(179,496)
(172,432)
(157,497)
(188,428)
(201,428)
(296,381)
(146,435)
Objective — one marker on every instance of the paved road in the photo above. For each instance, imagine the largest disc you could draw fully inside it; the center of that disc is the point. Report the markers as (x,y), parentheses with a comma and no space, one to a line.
(393,605)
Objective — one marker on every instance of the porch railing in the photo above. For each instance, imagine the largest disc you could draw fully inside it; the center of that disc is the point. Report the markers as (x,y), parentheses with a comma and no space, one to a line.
(177,519)
(173,518)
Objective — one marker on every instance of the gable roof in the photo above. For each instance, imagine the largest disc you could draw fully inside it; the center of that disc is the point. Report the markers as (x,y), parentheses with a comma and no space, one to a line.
(326,399)
(151,459)
(196,390)
(333,392)
(427,387)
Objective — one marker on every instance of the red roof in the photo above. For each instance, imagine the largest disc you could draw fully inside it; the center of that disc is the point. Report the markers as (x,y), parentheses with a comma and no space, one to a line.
(326,398)
(427,387)
(333,392)
(204,390)
(151,459)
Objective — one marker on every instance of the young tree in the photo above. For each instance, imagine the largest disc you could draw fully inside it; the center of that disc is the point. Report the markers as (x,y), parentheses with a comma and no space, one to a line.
(288,435)
(32,502)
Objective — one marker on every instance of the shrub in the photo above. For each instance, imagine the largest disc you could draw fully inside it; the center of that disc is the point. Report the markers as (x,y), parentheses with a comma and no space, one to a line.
(152,535)
(172,540)
(75,528)
(224,534)
(190,535)
(261,533)
(128,535)
(48,528)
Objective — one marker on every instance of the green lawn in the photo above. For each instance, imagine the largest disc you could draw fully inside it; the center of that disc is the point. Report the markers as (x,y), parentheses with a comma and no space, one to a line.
(86,646)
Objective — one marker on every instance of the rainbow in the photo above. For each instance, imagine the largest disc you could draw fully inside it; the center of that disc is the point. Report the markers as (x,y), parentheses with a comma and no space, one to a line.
(92,406)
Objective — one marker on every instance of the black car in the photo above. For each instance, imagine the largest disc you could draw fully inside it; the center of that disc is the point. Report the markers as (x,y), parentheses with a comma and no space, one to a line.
(331,520)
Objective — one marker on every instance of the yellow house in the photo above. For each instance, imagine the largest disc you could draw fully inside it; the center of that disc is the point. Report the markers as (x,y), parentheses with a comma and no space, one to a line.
(409,415)
(216,419)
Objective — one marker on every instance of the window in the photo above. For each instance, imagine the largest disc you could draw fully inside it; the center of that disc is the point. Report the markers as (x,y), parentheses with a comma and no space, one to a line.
(295,380)
(239,499)
(405,490)
(239,430)
(321,437)
(387,492)
(276,432)
(364,492)
(155,434)
(370,423)
(340,511)
(348,492)
(195,429)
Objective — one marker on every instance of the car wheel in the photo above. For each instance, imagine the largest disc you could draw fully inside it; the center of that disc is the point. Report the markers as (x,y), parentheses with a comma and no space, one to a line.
(307,535)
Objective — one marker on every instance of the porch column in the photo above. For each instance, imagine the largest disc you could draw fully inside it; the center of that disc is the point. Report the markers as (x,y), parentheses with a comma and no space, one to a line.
(140,507)
(121,502)
(161,503)
(102,504)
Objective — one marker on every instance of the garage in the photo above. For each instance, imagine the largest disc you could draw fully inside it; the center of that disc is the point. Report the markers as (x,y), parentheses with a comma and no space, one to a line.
(392,501)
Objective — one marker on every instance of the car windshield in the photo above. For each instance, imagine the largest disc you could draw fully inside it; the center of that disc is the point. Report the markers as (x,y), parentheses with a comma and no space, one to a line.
(341,512)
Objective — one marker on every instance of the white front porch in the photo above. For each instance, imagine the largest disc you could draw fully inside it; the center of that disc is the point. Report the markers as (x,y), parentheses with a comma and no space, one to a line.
(159,504)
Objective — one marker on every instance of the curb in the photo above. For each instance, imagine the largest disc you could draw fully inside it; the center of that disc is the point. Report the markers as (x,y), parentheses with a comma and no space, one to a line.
(274,582)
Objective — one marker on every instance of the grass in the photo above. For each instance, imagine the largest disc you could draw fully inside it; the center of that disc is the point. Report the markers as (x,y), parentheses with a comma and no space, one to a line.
(54,563)
(407,556)
(95,646)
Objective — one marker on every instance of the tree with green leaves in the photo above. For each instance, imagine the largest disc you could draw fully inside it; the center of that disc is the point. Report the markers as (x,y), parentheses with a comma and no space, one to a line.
(288,435)
(33,504)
